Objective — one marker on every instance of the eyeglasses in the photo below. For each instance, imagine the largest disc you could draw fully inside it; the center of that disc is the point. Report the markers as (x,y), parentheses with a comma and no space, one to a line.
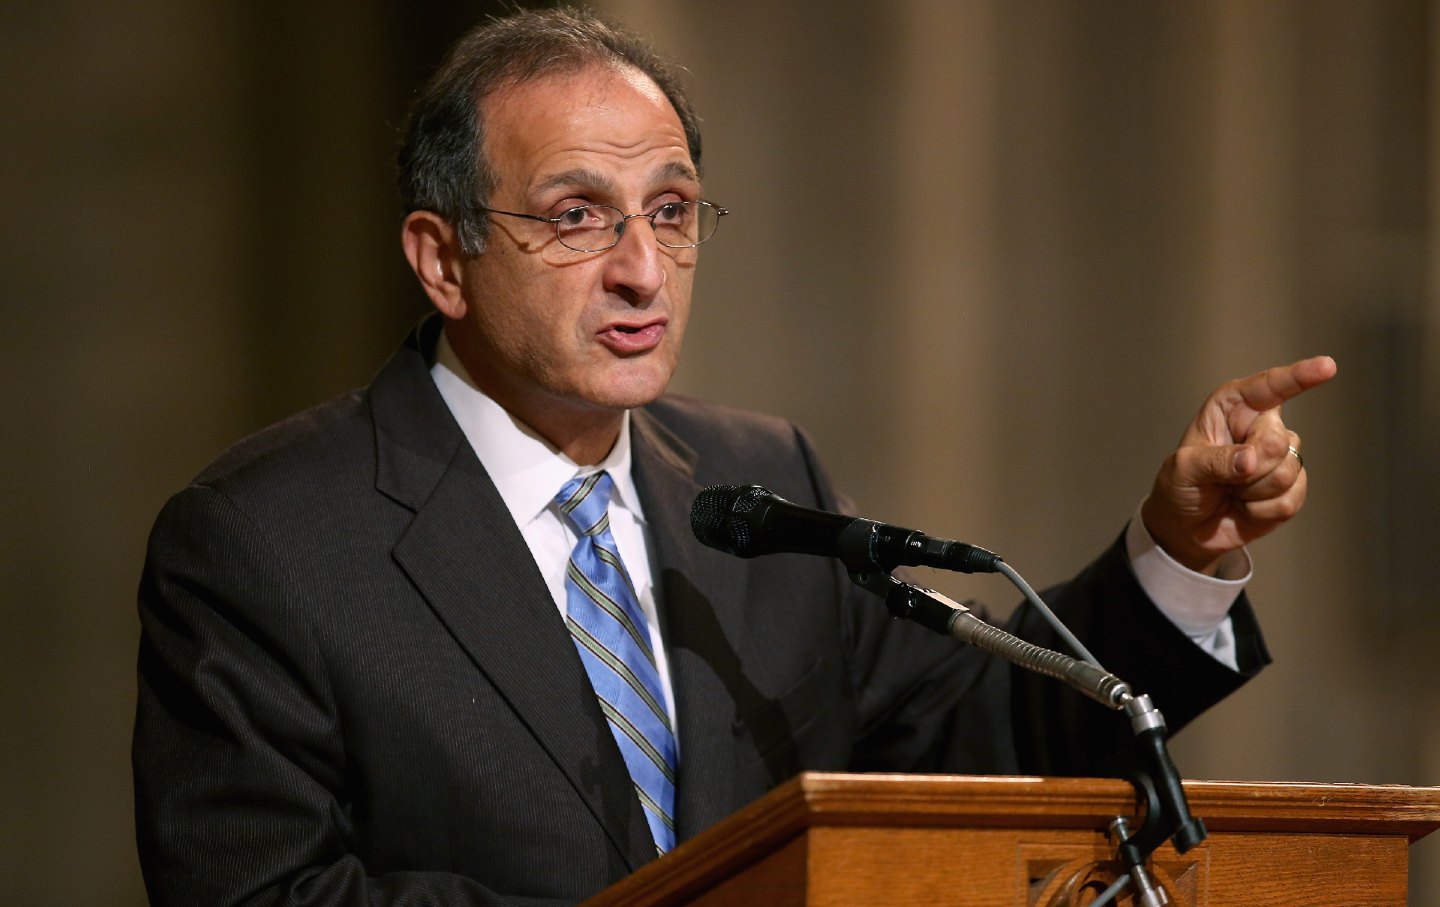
(595,228)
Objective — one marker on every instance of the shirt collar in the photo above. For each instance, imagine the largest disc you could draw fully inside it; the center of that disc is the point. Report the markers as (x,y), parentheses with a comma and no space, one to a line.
(526,469)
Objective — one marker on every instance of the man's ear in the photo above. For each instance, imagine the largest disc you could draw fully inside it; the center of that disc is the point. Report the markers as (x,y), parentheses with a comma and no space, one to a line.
(432,247)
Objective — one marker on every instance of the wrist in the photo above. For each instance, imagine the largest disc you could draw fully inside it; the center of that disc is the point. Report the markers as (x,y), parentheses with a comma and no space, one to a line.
(1179,545)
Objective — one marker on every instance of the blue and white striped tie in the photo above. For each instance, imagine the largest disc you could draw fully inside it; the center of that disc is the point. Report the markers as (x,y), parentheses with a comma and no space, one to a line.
(609,629)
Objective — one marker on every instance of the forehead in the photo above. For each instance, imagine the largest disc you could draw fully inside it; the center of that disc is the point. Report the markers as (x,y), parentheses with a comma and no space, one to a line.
(613,119)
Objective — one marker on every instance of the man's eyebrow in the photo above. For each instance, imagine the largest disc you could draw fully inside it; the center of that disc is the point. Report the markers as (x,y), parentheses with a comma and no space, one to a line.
(675,170)
(576,179)
(594,181)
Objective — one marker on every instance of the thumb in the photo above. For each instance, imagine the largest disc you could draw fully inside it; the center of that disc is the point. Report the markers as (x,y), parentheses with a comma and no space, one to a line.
(1216,464)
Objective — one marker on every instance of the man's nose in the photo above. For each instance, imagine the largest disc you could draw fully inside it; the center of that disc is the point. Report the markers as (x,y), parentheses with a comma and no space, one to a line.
(635,265)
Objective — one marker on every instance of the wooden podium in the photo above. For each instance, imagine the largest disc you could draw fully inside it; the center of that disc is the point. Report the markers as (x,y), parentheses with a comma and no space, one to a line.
(840,839)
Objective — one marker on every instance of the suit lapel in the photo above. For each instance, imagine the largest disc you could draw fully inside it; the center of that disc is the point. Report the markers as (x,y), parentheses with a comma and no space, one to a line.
(468,559)
(699,593)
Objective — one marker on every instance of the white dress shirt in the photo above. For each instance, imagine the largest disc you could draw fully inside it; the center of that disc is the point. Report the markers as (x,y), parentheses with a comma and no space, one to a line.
(1198,604)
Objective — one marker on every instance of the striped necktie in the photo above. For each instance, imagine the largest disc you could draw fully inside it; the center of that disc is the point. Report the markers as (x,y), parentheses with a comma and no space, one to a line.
(610,633)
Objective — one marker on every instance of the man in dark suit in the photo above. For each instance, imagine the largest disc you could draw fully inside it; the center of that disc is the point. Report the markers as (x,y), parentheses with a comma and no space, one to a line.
(362,676)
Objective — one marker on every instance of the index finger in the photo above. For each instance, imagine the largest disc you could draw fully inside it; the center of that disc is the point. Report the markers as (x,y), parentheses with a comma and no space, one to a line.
(1268,389)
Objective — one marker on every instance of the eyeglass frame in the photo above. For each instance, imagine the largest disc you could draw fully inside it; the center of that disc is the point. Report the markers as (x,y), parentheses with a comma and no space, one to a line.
(620,224)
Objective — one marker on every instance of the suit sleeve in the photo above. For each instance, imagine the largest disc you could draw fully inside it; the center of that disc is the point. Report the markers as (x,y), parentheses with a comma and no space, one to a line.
(239,760)
(1060,732)
(927,703)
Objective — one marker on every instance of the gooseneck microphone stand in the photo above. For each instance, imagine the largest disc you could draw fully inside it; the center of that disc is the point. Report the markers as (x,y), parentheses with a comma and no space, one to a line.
(748,521)
(1156,782)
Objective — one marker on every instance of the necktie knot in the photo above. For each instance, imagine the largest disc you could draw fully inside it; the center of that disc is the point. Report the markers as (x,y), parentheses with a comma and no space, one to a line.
(585,501)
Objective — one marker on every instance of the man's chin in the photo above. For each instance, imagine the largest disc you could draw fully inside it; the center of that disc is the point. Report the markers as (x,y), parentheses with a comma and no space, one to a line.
(633,387)
(617,401)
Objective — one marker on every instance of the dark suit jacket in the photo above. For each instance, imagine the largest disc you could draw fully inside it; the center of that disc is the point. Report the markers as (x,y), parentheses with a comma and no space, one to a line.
(355,689)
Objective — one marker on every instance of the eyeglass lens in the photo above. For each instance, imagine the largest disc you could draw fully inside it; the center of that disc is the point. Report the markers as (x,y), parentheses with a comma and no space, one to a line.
(594,228)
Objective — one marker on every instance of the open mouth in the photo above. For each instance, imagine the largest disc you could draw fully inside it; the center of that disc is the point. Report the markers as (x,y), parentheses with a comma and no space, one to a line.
(628,339)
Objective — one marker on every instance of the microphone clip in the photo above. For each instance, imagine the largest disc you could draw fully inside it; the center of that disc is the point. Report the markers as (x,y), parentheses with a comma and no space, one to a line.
(1159,792)
(866,545)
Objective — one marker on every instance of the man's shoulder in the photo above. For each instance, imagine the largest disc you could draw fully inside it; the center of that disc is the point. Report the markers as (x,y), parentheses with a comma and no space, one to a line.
(298,486)
(338,440)
(725,445)
(330,439)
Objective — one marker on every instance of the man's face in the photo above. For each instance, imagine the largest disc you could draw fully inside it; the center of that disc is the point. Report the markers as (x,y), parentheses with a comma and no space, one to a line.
(552,331)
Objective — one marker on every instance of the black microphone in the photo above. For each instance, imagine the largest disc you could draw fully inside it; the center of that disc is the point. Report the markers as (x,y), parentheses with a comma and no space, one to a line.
(749,521)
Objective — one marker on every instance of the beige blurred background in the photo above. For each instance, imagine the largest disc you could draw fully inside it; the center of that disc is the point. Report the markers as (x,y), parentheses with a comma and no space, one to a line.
(992,254)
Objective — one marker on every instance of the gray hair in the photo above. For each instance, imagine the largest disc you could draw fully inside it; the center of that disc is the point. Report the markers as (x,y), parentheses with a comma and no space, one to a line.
(441,165)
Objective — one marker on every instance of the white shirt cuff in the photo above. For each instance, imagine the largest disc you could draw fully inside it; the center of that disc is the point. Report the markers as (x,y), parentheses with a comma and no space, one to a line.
(1197,604)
